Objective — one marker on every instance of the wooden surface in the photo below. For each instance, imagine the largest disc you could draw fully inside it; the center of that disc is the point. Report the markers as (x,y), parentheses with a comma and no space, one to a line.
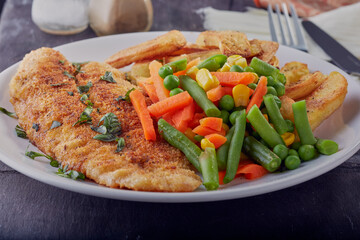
(326,207)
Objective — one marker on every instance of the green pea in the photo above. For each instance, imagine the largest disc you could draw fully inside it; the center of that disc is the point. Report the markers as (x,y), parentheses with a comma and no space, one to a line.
(252,86)
(292,162)
(171,82)
(165,71)
(248,69)
(290,125)
(281,151)
(271,90)
(307,152)
(296,145)
(225,116)
(226,103)
(175,91)
(233,116)
(293,152)
(236,68)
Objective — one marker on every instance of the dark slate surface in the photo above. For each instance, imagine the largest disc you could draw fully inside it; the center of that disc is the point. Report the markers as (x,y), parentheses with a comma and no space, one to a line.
(326,207)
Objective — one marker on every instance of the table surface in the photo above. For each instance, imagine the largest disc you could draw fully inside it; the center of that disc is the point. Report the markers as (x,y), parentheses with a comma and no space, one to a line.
(325,207)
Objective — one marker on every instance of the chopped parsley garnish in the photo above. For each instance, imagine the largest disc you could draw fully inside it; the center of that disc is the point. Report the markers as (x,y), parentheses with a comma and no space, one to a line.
(78,66)
(84,88)
(106,137)
(71,93)
(127,96)
(33,155)
(75,175)
(36,126)
(55,124)
(85,100)
(62,61)
(85,116)
(66,73)
(10,114)
(120,145)
(58,84)
(108,77)
(20,132)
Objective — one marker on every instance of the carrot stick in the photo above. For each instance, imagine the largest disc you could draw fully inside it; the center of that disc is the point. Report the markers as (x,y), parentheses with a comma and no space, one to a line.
(216,139)
(138,101)
(150,90)
(260,92)
(170,104)
(231,79)
(212,122)
(203,131)
(192,63)
(252,171)
(182,118)
(196,120)
(161,91)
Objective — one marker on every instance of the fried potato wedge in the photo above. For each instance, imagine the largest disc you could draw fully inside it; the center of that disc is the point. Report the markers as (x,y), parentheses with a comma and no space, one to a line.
(140,69)
(326,99)
(255,47)
(269,49)
(305,85)
(274,61)
(160,46)
(202,55)
(229,42)
(286,107)
(293,71)
(188,48)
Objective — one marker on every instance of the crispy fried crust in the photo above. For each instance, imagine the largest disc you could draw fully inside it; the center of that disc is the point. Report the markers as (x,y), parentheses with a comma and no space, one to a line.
(269,49)
(191,56)
(158,47)
(326,99)
(142,165)
(305,85)
(229,42)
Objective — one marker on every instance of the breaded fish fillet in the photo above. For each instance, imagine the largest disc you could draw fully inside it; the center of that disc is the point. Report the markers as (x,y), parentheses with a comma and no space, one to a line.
(41,93)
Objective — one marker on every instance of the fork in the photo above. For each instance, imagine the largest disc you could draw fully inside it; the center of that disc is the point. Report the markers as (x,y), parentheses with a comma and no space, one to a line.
(300,39)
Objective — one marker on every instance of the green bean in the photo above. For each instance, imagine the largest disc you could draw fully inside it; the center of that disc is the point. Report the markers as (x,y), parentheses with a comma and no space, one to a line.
(263,127)
(302,123)
(290,125)
(292,162)
(266,69)
(278,101)
(226,103)
(178,65)
(213,63)
(233,116)
(261,154)
(281,150)
(307,152)
(252,85)
(327,147)
(235,147)
(275,115)
(293,152)
(236,68)
(199,95)
(180,141)
(225,116)
(198,138)
(296,145)
(209,169)
(223,150)
(271,90)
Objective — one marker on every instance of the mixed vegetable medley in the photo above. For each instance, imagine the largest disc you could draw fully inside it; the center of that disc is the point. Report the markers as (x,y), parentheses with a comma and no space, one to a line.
(224,115)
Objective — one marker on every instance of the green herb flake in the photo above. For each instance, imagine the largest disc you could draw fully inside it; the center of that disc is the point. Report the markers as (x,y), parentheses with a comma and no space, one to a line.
(84,88)
(75,175)
(85,116)
(102,129)
(10,114)
(71,93)
(108,77)
(36,126)
(62,62)
(66,73)
(55,124)
(20,132)
(105,137)
(127,96)
(78,66)
(58,84)
(33,155)
(120,145)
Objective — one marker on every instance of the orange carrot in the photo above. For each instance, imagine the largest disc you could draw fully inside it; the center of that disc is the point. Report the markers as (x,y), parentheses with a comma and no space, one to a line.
(182,118)
(150,90)
(259,93)
(161,91)
(203,131)
(227,91)
(196,120)
(212,122)
(138,101)
(215,94)
(231,79)
(168,117)
(192,63)
(216,139)
(252,171)
(170,104)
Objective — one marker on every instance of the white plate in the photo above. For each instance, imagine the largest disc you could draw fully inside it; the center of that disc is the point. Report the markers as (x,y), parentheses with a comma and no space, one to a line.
(343,127)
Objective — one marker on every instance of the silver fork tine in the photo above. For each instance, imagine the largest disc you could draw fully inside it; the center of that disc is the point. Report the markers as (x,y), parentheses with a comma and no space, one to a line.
(286,13)
(299,34)
(280,24)
(272,25)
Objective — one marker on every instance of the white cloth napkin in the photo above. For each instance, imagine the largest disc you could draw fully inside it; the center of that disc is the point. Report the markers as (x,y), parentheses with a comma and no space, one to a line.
(343,24)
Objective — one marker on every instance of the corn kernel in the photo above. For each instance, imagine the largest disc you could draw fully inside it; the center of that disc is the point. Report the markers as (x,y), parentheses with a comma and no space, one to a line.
(256,77)
(192,72)
(288,138)
(237,60)
(225,127)
(206,143)
(225,68)
(206,80)
(241,62)
(190,134)
(241,95)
